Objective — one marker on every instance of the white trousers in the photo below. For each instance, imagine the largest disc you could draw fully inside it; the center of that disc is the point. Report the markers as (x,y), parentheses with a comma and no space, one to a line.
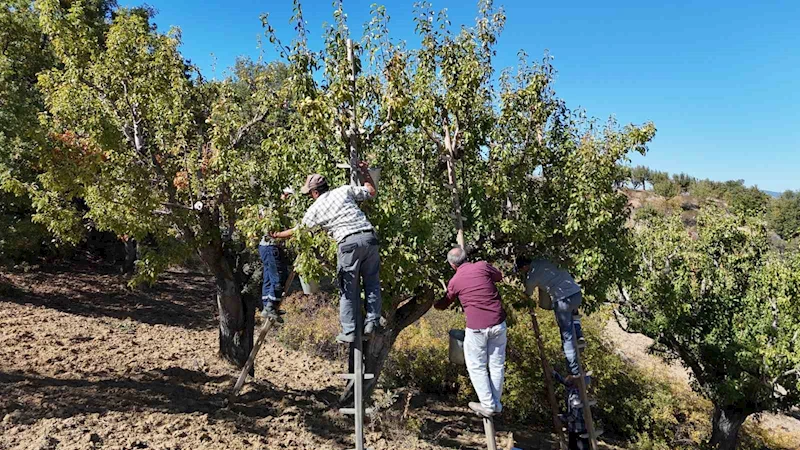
(485,356)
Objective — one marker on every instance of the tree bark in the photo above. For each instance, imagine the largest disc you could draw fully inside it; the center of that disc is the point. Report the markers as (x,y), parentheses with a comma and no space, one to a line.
(131,255)
(236,313)
(236,323)
(726,422)
(376,350)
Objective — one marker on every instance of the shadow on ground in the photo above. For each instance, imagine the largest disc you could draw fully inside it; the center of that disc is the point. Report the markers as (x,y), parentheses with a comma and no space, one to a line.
(179,299)
(174,390)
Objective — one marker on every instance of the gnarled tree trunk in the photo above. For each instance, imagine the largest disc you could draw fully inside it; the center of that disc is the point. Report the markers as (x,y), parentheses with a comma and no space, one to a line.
(377,349)
(236,322)
(726,422)
(236,313)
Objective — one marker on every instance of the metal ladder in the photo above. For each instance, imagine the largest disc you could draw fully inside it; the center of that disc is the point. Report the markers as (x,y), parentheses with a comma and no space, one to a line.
(592,433)
(357,377)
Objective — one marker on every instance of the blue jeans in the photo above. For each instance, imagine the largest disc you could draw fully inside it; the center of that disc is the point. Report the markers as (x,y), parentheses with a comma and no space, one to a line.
(274,273)
(358,260)
(564,308)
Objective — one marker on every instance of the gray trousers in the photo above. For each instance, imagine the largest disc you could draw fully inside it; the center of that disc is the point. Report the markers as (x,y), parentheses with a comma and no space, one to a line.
(358,260)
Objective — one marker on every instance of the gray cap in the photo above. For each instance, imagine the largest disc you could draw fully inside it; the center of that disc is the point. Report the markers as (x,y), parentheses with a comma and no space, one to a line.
(313,181)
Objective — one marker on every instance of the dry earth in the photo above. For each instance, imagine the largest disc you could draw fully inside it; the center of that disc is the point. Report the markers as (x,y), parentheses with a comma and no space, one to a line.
(86,363)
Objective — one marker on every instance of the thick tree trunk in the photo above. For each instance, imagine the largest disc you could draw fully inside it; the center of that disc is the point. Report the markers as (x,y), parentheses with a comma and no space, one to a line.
(726,423)
(236,314)
(131,255)
(376,350)
(236,323)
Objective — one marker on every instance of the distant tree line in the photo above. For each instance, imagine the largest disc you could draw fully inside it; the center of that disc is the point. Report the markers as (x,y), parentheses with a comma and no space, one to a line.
(782,213)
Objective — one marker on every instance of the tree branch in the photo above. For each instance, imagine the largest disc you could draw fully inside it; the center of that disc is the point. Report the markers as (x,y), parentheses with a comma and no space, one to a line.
(380,130)
(242,131)
(411,311)
(433,137)
(687,358)
(617,315)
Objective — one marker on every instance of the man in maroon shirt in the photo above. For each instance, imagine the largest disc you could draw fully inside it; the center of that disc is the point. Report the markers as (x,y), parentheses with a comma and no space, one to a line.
(485,337)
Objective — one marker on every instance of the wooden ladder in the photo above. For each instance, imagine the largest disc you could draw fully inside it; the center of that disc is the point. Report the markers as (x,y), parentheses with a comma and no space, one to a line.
(592,433)
(262,334)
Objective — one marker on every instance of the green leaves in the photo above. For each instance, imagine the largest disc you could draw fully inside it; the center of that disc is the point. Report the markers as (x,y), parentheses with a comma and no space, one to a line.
(722,302)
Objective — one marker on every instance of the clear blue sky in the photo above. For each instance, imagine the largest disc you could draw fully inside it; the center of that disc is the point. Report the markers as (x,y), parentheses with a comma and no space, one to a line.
(720,79)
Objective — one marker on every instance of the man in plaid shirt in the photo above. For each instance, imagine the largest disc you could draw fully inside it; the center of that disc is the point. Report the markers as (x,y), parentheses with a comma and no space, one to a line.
(338,213)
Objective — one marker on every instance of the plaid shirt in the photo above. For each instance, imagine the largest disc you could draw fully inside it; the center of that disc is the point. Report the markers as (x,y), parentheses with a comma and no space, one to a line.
(337,212)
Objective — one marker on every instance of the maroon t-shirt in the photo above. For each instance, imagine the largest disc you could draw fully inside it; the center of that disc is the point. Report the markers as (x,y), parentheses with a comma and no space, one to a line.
(473,285)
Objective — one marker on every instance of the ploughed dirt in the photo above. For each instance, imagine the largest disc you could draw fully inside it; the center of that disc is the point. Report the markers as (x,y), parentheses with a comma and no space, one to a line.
(86,363)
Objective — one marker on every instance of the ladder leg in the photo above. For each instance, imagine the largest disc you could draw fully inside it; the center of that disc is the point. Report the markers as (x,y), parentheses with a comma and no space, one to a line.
(257,346)
(587,409)
(548,381)
(358,391)
(251,359)
(488,428)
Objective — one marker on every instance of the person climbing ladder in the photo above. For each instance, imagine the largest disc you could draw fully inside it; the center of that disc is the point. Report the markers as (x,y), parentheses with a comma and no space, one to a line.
(273,260)
(557,291)
(337,212)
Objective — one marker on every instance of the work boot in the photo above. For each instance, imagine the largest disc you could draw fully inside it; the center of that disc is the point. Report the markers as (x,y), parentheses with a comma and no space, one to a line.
(276,306)
(480,410)
(269,313)
(369,328)
(346,338)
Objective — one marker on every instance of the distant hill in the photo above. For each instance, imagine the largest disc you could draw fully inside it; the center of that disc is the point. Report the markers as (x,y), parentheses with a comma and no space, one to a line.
(772,193)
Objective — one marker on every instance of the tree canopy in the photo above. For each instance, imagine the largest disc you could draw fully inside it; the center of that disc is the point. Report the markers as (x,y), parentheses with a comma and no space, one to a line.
(723,304)
(146,146)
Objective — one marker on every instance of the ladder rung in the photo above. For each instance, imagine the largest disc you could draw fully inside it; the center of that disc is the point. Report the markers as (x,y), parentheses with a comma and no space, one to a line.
(363,338)
(352,411)
(592,402)
(351,376)
(597,433)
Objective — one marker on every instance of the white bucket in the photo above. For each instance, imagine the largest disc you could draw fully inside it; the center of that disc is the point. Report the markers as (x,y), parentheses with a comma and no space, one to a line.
(455,352)
(309,286)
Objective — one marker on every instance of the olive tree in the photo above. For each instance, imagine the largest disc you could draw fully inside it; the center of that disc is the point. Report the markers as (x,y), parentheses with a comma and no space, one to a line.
(640,175)
(725,306)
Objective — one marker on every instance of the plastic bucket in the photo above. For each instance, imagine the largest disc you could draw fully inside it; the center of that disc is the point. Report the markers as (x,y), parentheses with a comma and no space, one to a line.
(455,352)
(309,286)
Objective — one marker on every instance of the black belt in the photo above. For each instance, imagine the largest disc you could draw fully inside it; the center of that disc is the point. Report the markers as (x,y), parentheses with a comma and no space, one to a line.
(357,233)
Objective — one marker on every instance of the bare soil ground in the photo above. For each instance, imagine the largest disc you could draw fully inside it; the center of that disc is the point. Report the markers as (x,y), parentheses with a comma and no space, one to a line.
(86,363)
